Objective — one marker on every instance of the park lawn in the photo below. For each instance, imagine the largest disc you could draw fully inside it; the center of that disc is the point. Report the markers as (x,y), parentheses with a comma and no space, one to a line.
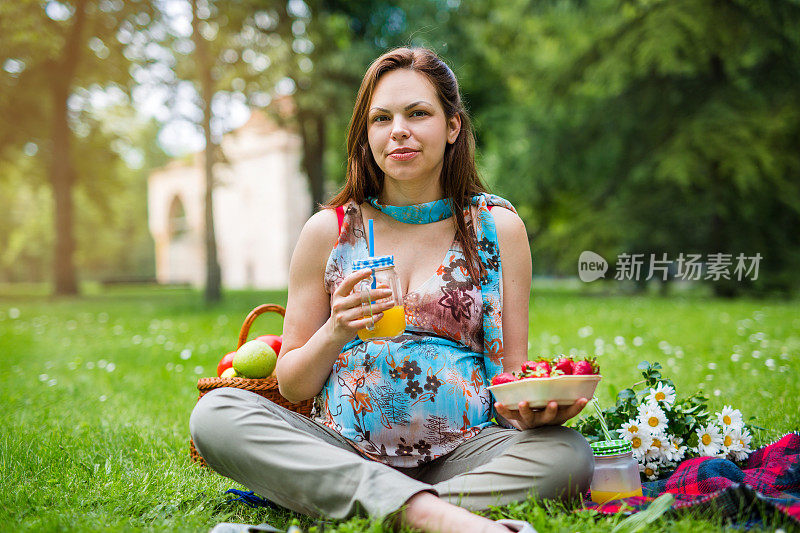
(96,394)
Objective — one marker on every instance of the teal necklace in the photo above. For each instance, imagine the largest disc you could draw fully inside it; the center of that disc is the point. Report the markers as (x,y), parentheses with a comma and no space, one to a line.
(417,213)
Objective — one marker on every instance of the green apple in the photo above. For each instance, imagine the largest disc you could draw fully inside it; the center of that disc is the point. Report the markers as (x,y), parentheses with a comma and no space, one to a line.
(229,373)
(255,359)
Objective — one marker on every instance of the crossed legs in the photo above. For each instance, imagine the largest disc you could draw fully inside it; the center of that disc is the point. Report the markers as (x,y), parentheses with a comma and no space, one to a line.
(313,470)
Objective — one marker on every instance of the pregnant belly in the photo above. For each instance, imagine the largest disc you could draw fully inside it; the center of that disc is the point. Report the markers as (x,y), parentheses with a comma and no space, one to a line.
(389,395)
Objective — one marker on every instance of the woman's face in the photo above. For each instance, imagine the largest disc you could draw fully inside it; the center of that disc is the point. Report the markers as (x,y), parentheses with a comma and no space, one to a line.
(407,127)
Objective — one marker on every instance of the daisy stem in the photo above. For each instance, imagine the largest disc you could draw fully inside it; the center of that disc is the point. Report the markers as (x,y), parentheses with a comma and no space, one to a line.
(602,419)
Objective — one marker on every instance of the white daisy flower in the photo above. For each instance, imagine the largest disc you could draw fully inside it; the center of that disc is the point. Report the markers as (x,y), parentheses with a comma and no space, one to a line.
(638,435)
(710,440)
(745,438)
(730,417)
(649,469)
(653,417)
(631,427)
(641,442)
(742,438)
(730,443)
(659,449)
(661,394)
(675,452)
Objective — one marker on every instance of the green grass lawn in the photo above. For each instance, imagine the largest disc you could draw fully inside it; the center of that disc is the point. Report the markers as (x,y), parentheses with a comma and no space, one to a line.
(96,393)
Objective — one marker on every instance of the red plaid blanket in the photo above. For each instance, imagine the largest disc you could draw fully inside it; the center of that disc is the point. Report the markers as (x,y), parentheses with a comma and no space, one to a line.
(769,482)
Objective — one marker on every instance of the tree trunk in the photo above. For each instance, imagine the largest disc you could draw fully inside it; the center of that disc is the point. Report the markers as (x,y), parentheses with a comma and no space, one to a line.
(312,130)
(62,178)
(719,231)
(213,292)
(62,172)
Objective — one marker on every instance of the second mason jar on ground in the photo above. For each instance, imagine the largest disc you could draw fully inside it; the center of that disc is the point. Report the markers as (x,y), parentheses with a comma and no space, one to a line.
(616,472)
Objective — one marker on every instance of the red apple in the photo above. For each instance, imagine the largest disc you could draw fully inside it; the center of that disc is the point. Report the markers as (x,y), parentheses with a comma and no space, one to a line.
(274,341)
(225,363)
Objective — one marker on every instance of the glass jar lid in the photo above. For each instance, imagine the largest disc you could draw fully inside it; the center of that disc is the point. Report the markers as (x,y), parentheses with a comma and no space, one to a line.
(373,262)
(605,448)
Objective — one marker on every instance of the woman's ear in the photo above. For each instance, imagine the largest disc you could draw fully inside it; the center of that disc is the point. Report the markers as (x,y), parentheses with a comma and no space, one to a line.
(453,128)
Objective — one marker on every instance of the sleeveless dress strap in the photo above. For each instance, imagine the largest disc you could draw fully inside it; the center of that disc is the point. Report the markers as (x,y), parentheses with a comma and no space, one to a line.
(340,217)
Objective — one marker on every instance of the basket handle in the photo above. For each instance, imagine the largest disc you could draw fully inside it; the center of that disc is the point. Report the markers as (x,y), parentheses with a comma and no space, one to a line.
(261,309)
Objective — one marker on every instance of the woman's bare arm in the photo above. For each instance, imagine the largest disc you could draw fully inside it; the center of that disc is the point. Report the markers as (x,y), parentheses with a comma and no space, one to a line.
(318,325)
(515,255)
(307,354)
(515,258)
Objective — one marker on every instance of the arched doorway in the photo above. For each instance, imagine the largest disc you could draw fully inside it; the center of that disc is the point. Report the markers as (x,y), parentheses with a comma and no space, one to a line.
(179,248)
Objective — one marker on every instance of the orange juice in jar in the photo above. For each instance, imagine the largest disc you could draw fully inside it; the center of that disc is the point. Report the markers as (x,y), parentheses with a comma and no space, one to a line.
(616,472)
(393,321)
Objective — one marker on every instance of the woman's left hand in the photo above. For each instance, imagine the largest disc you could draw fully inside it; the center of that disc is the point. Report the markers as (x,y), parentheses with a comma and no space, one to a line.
(552,415)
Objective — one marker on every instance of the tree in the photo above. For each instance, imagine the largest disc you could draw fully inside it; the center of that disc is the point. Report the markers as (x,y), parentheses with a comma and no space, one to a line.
(209,58)
(300,61)
(317,52)
(204,74)
(47,49)
(656,126)
(112,241)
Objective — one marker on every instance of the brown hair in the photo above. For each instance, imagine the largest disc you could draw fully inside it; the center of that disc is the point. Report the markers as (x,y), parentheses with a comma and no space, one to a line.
(459,178)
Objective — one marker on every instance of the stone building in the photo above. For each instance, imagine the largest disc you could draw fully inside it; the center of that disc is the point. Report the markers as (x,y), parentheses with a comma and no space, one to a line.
(261,201)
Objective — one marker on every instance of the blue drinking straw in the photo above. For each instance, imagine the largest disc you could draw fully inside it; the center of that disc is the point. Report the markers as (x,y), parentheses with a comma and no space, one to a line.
(371,238)
(372,247)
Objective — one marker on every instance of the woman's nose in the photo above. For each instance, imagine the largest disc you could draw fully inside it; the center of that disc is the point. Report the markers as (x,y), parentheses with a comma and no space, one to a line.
(399,130)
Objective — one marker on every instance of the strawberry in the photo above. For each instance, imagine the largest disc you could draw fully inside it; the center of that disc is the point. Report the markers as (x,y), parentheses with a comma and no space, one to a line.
(587,366)
(531,366)
(536,369)
(505,377)
(563,366)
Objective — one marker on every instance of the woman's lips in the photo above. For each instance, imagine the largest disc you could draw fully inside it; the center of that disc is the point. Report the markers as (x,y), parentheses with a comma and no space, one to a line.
(403,156)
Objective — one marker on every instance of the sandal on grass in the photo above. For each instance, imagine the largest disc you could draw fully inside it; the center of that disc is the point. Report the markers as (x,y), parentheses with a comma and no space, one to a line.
(517,526)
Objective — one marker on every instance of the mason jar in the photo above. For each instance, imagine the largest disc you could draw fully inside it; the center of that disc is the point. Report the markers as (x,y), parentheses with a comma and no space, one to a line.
(384,275)
(616,472)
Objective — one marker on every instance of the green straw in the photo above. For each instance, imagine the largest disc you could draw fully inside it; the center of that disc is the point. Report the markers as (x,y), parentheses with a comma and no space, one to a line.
(603,425)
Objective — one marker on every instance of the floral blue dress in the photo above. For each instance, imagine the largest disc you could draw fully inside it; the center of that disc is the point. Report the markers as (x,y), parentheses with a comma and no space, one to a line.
(406,400)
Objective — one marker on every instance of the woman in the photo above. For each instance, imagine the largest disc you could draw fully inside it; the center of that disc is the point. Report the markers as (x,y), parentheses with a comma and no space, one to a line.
(403,424)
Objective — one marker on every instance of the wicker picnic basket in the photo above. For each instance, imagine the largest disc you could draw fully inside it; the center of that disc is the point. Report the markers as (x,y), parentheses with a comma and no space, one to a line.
(266,387)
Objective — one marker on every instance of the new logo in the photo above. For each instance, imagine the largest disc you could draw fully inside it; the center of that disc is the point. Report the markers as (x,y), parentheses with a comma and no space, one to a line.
(591,266)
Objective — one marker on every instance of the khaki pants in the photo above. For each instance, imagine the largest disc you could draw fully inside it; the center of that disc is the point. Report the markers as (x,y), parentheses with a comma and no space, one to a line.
(309,468)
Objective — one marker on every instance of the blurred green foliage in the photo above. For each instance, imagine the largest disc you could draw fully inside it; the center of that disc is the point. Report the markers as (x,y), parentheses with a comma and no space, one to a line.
(53,54)
(618,126)
(651,126)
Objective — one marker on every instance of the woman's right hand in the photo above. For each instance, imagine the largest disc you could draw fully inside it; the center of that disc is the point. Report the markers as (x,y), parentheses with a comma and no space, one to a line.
(347,315)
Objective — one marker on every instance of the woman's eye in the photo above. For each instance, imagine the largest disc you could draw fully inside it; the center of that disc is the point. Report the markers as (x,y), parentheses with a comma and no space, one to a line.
(379,118)
(421,113)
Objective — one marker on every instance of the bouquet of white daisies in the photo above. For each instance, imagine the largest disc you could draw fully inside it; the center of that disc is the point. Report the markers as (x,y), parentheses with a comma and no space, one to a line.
(664,431)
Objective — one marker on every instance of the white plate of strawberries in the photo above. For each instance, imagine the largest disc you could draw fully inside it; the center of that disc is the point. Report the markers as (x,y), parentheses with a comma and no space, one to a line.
(539,382)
